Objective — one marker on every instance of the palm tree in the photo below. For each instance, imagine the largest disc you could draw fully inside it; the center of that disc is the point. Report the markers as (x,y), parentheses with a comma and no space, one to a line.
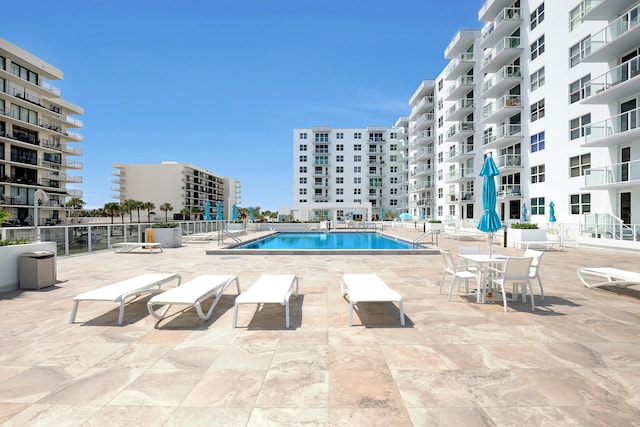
(75,203)
(166,207)
(126,206)
(186,213)
(4,216)
(149,206)
(196,211)
(111,209)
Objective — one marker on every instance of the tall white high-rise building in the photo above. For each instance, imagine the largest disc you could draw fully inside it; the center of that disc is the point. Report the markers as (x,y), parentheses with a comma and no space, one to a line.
(551,90)
(37,137)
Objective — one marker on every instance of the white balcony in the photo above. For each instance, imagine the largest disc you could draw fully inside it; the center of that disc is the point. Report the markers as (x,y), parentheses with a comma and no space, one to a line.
(421,185)
(421,170)
(509,192)
(615,84)
(460,175)
(503,25)
(459,152)
(507,162)
(604,10)
(459,66)
(616,39)
(425,104)
(616,176)
(501,108)
(421,154)
(460,88)
(620,129)
(425,88)
(504,79)
(459,131)
(504,134)
(423,121)
(460,43)
(461,197)
(461,109)
(423,137)
(491,9)
(502,53)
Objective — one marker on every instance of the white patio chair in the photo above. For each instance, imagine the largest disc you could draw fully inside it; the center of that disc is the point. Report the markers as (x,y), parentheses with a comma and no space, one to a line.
(469,250)
(458,274)
(534,271)
(516,271)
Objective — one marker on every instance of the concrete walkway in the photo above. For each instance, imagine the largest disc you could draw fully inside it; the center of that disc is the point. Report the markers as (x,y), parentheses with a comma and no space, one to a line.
(575,361)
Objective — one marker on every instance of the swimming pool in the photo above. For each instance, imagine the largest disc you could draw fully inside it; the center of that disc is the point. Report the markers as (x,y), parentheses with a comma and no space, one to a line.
(329,241)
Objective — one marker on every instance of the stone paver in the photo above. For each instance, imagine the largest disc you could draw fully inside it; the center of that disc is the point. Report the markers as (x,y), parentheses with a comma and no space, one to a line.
(574,361)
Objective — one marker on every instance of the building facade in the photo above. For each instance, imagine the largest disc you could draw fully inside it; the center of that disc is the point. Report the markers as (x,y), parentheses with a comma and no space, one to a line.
(550,90)
(180,184)
(37,140)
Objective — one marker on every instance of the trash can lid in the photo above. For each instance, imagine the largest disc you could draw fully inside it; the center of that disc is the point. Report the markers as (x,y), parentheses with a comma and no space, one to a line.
(38,254)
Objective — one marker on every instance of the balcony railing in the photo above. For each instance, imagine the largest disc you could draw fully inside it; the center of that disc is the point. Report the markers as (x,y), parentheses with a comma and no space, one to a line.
(460,127)
(504,131)
(500,104)
(458,174)
(507,190)
(510,71)
(459,105)
(619,173)
(421,185)
(617,75)
(509,161)
(463,57)
(613,126)
(505,43)
(508,13)
(615,29)
(459,82)
(422,169)
(459,150)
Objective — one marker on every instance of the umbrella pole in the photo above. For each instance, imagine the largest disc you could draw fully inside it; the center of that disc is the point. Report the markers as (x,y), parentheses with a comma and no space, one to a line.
(490,243)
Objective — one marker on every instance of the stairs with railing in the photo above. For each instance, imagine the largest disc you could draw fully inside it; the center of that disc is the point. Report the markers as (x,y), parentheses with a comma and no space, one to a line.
(608,226)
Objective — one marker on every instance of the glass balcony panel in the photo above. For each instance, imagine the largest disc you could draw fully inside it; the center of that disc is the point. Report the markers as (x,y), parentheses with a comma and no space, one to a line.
(614,130)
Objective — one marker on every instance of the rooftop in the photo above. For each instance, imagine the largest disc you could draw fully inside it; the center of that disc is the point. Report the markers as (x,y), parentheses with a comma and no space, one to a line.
(574,361)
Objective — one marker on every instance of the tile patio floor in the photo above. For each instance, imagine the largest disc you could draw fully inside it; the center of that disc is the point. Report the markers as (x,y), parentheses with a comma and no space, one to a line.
(574,362)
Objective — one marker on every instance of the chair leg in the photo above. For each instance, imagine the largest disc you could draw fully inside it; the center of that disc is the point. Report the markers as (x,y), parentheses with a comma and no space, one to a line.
(442,282)
(533,306)
(453,282)
(541,289)
(504,297)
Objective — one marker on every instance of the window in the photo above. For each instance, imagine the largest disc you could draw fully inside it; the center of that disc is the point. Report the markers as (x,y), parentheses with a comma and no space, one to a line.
(579,164)
(439,210)
(303,147)
(357,169)
(579,89)
(393,158)
(440,193)
(322,160)
(578,127)
(303,180)
(303,158)
(440,85)
(537,16)
(440,175)
(537,79)
(303,135)
(393,202)
(357,147)
(340,147)
(393,135)
(357,191)
(339,158)
(537,174)
(440,122)
(357,135)
(339,191)
(322,137)
(440,157)
(537,142)
(393,191)
(339,135)
(339,169)
(537,110)
(357,180)
(537,47)
(580,203)
(575,16)
(452,210)
(537,206)
(302,200)
(578,51)
(393,180)
(393,169)
(303,169)
(357,158)
(302,191)
(339,200)
(24,73)
(393,147)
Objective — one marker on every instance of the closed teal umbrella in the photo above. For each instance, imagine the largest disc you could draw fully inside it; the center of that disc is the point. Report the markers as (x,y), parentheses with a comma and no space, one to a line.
(489,220)
(382,213)
(552,212)
(219,212)
(523,213)
(207,211)
(251,215)
(233,212)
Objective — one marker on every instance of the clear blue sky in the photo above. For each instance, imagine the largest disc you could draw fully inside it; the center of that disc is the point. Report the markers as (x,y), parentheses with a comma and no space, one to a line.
(222,84)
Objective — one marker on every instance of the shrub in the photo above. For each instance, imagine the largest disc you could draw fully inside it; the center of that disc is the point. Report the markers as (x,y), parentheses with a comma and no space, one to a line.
(165,225)
(435,221)
(10,242)
(524,226)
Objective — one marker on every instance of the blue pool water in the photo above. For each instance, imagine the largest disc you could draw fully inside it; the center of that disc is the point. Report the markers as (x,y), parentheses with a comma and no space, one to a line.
(356,241)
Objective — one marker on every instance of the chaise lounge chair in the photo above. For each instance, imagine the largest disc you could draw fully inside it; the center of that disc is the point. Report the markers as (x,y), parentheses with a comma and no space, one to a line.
(269,289)
(118,292)
(613,276)
(194,293)
(368,288)
(124,247)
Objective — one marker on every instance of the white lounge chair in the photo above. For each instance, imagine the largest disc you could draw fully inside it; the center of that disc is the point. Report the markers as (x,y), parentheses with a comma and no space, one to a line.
(368,288)
(613,276)
(130,246)
(118,292)
(269,289)
(194,293)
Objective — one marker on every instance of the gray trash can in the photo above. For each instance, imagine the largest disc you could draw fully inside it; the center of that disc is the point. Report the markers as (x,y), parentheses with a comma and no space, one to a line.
(37,269)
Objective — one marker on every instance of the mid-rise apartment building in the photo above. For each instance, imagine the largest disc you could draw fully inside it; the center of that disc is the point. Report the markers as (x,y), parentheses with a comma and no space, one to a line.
(551,90)
(180,184)
(340,173)
(37,139)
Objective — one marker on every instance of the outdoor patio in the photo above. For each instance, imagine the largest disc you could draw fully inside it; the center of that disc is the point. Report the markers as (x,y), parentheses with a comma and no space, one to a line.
(574,361)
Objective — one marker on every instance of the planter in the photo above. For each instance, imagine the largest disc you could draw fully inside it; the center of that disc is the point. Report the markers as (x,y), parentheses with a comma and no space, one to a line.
(435,226)
(525,235)
(235,226)
(10,262)
(169,237)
